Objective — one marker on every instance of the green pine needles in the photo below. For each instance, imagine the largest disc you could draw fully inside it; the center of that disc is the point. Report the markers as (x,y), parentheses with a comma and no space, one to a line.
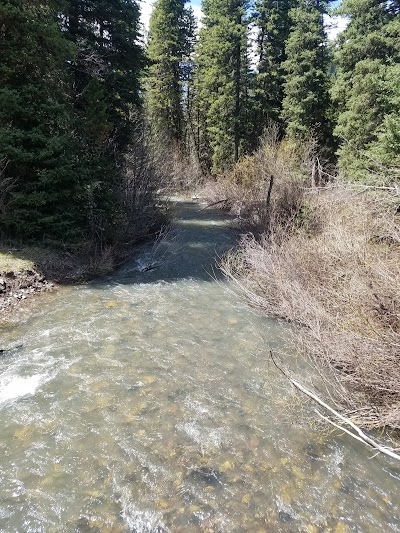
(171,40)
(367,91)
(69,80)
(305,105)
(75,82)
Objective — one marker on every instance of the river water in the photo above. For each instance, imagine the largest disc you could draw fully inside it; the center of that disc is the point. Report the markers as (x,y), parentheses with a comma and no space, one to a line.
(145,402)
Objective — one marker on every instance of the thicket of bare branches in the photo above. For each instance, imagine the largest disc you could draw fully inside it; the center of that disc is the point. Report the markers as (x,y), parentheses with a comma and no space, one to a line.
(146,177)
(329,262)
(154,169)
(6,184)
(267,188)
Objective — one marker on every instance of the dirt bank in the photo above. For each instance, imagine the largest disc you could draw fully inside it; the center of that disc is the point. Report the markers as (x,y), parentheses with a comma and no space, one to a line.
(28,271)
(18,286)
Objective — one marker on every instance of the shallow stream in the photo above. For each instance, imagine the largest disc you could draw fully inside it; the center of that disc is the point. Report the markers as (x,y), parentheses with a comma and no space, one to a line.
(145,402)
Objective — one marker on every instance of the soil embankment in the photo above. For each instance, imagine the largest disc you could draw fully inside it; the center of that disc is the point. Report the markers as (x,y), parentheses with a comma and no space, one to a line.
(18,286)
(27,271)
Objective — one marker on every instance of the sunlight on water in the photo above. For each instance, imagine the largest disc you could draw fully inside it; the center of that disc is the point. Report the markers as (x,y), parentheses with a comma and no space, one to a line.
(146,402)
(198,223)
(16,387)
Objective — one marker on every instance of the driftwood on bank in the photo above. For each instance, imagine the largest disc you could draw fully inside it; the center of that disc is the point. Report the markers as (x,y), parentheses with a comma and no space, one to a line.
(215,203)
(358,435)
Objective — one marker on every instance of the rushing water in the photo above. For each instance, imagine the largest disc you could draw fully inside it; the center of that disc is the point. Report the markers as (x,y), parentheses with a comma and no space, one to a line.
(145,402)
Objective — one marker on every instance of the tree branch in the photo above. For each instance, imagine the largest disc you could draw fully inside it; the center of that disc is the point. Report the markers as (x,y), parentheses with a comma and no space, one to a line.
(361,435)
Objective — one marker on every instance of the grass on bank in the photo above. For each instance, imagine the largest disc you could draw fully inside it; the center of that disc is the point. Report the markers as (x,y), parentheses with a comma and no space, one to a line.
(328,261)
(55,264)
(16,260)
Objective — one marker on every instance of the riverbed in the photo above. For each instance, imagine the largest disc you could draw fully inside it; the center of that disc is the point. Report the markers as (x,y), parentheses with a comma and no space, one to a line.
(146,402)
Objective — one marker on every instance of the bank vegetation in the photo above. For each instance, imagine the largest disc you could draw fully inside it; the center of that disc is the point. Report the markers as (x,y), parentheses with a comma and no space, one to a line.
(324,255)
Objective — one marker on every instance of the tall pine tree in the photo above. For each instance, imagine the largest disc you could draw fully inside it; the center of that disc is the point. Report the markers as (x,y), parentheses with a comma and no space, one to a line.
(69,80)
(306,103)
(171,41)
(221,81)
(109,61)
(367,89)
(41,185)
(272,24)
(105,78)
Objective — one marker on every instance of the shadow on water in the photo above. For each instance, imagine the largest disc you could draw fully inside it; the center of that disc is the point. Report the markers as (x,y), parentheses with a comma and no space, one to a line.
(190,249)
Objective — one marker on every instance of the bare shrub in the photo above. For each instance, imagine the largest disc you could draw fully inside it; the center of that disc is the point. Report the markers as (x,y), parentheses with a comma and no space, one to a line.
(6,184)
(325,257)
(340,288)
(266,188)
(176,163)
(146,175)
(185,171)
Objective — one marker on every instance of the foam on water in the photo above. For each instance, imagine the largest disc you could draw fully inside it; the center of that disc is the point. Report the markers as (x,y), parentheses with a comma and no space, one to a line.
(17,387)
(139,520)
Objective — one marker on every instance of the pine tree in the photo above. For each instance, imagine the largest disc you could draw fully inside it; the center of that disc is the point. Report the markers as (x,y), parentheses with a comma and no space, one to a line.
(69,81)
(272,23)
(171,40)
(105,77)
(40,185)
(221,82)
(109,60)
(306,103)
(367,88)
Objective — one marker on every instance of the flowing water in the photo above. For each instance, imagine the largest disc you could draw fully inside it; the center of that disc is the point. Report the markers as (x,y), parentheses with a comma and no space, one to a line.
(145,402)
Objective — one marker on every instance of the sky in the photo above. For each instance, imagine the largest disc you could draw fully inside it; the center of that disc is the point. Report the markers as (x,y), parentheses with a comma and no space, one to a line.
(334,25)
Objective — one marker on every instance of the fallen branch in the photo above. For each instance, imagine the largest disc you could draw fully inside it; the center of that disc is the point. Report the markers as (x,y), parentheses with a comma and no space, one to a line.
(361,436)
(215,203)
(340,427)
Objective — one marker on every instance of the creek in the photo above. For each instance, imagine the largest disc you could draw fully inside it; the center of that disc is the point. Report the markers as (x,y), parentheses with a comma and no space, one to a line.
(145,402)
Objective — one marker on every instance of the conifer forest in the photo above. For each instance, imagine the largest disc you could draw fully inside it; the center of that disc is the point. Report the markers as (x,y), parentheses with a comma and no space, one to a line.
(82,89)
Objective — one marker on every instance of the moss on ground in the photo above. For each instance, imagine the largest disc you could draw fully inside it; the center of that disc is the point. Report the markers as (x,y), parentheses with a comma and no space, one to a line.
(22,259)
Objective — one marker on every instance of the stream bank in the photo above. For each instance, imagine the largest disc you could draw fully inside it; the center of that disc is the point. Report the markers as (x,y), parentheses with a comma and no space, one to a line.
(145,402)
(27,271)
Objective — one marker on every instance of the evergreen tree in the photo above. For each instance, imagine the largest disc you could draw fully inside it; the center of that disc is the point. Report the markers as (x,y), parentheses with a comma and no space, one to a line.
(306,103)
(221,81)
(106,90)
(171,41)
(367,88)
(109,61)
(69,80)
(272,24)
(40,185)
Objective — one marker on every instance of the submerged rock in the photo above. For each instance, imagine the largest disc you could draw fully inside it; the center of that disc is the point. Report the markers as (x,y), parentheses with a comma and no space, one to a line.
(83,526)
(284,516)
(209,476)
(10,350)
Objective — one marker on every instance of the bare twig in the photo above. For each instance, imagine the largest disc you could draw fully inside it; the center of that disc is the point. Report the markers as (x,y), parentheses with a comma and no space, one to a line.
(361,435)
(271,183)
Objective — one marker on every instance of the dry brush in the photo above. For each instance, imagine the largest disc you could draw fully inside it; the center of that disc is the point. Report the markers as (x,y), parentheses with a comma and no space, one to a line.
(328,261)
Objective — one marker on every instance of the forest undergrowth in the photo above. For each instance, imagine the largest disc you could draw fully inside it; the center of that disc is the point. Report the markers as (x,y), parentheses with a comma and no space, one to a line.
(323,255)
(149,175)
